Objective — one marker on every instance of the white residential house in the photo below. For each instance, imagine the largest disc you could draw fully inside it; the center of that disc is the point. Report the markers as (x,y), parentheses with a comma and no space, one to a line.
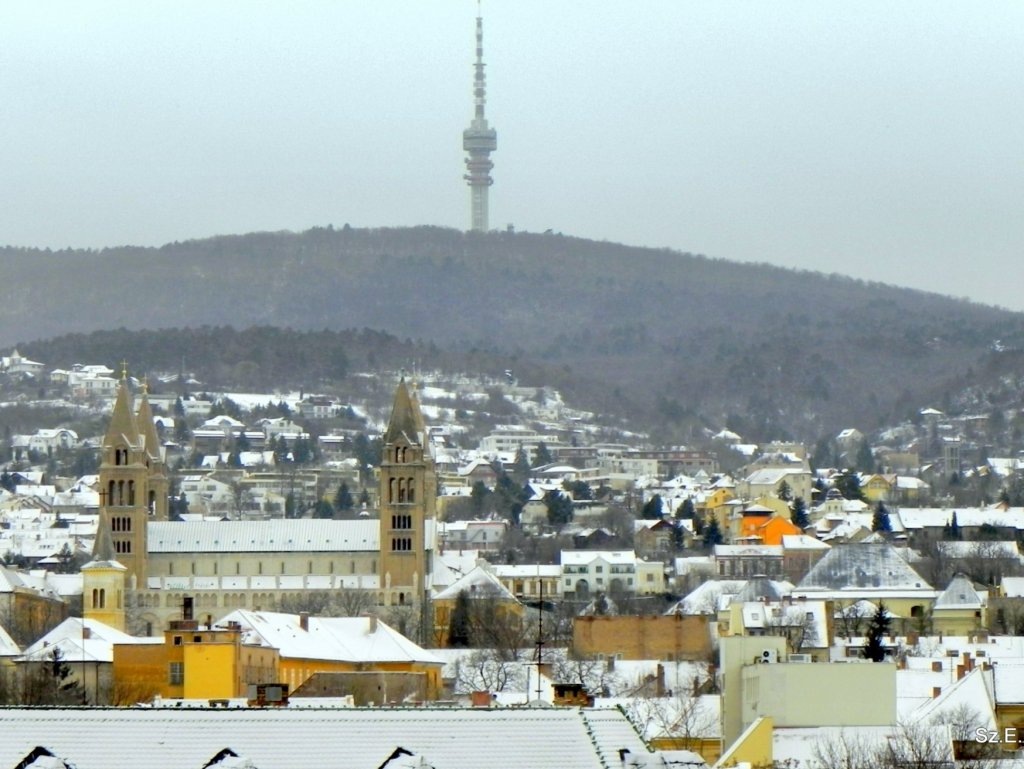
(616,571)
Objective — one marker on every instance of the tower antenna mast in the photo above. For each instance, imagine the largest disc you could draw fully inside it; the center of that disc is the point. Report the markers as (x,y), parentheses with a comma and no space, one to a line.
(479,140)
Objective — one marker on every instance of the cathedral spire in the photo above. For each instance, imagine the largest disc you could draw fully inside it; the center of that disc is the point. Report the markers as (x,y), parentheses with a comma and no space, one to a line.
(122,422)
(406,417)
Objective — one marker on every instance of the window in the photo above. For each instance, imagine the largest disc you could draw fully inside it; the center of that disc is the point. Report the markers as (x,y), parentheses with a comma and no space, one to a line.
(176,673)
(599,569)
(197,639)
(177,640)
(650,577)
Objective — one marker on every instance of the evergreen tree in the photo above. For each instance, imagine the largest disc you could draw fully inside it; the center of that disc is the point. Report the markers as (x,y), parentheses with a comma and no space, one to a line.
(686,510)
(880,521)
(458,625)
(323,509)
(799,515)
(952,529)
(865,460)
(784,492)
(343,501)
(878,629)
(559,508)
(177,507)
(301,451)
(364,498)
(578,489)
(290,506)
(521,466)
(678,536)
(712,534)
(542,455)
(653,508)
(478,499)
(848,484)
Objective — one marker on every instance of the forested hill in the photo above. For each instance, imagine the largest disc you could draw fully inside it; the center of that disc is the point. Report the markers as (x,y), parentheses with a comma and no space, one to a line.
(628,326)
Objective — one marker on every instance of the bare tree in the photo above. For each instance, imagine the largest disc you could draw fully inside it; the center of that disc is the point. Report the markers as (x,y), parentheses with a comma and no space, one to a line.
(793,623)
(483,670)
(683,718)
(598,676)
(343,602)
(844,751)
(852,619)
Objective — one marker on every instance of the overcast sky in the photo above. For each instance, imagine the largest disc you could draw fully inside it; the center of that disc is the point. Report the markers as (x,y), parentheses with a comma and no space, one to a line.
(876,139)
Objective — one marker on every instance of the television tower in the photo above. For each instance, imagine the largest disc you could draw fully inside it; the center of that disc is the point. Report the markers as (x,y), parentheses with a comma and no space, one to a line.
(479,140)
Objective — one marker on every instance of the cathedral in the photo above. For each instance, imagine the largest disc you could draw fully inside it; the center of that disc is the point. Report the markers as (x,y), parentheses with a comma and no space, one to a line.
(145,568)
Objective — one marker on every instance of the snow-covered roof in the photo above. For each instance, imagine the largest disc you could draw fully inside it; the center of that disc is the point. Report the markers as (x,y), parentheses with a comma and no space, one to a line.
(478,583)
(584,557)
(561,738)
(348,639)
(81,640)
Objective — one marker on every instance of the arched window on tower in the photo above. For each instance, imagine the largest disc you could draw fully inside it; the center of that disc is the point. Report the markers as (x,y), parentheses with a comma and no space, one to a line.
(152,502)
(391,490)
(131,493)
(95,598)
(401,490)
(110,493)
(410,494)
(120,493)
(103,598)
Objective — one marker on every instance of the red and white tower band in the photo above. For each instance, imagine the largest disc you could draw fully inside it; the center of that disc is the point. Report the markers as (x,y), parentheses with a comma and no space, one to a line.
(479,141)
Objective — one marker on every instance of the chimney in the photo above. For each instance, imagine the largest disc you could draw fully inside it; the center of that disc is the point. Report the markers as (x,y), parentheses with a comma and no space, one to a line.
(304,620)
(959,672)
(86,633)
(373,623)
(936,666)
(660,682)
(480,699)
(936,691)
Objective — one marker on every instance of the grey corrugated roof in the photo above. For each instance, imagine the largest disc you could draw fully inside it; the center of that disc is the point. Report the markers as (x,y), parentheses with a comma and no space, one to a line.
(863,565)
(306,535)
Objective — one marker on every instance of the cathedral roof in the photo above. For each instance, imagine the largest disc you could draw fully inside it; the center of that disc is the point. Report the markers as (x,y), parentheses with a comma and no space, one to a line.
(406,417)
(122,422)
(302,535)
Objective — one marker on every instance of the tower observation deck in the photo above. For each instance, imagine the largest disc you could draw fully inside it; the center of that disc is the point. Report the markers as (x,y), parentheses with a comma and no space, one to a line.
(479,141)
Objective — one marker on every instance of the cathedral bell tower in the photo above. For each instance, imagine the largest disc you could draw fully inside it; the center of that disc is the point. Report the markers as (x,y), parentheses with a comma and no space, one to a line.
(408,496)
(125,498)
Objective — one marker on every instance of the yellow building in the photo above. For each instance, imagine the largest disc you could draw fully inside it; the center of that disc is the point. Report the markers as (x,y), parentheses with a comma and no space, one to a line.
(192,661)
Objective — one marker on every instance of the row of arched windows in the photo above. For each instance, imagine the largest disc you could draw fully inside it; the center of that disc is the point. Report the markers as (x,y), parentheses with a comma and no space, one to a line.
(121,493)
(402,490)
(401,522)
(401,544)
(121,523)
